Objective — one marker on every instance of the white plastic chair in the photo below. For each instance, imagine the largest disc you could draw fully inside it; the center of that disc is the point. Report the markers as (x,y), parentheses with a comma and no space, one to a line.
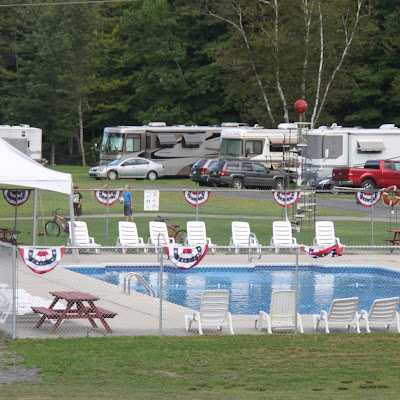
(325,234)
(342,312)
(243,238)
(197,235)
(282,313)
(383,312)
(158,234)
(128,237)
(82,238)
(282,235)
(213,312)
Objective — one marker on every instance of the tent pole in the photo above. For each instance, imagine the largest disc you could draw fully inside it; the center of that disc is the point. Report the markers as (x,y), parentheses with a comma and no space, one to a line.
(34,228)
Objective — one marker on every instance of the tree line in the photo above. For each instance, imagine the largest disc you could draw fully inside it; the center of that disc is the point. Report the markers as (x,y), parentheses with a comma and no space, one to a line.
(72,68)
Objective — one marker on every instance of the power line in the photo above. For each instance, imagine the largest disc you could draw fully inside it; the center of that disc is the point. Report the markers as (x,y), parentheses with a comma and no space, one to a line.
(66,3)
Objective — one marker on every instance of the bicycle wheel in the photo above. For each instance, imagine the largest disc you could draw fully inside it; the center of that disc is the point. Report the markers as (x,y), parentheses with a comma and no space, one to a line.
(52,228)
(180,236)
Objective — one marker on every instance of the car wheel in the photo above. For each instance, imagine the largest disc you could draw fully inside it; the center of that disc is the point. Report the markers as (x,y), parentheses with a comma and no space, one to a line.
(152,176)
(237,183)
(112,175)
(279,184)
(368,184)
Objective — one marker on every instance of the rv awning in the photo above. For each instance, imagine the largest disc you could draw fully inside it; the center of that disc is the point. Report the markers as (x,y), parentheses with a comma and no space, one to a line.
(371,145)
(191,138)
(167,138)
(283,141)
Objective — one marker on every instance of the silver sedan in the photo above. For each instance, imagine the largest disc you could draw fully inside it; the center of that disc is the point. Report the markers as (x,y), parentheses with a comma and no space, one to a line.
(134,167)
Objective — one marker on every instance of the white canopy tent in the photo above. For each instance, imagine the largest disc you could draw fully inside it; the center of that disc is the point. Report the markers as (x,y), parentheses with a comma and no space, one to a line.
(17,169)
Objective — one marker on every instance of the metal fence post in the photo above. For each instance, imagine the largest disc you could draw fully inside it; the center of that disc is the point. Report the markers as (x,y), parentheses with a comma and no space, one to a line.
(161,288)
(297,290)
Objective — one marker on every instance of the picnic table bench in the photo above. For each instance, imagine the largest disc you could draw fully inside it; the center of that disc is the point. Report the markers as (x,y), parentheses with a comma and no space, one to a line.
(80,311)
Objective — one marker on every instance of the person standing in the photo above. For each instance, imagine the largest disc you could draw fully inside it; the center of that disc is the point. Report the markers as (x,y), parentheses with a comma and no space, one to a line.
(128,203)
(77,200)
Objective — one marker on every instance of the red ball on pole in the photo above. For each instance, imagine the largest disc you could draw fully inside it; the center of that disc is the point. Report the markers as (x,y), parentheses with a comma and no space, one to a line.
(301,106)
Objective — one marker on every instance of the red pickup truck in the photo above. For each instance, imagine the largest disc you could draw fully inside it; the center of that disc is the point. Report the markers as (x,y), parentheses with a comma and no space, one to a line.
(374,174)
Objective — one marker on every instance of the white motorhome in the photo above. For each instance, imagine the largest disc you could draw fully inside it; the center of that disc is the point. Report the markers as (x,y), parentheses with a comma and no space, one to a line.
(341,147)
(177,147)
(25,138)
(276,148)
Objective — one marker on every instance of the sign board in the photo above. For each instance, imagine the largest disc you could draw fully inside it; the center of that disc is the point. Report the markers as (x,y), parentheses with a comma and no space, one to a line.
(151,200)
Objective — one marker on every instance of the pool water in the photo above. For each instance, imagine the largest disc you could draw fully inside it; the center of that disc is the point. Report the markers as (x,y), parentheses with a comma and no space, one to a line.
(251,287)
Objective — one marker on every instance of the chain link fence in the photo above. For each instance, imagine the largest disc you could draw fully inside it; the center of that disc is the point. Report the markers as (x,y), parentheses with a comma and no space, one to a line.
(138,290)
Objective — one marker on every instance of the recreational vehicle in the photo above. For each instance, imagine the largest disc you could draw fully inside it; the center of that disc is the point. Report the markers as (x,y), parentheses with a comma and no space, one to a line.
(25,138)
(176,147)
(341,147)
(277,148)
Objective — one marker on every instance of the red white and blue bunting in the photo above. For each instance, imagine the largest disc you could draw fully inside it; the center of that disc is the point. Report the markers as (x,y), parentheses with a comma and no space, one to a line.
(41,261)
(366,199)
(185,257)
(16,197)
(286,199)
(335,250)
(196,198)
(111,196)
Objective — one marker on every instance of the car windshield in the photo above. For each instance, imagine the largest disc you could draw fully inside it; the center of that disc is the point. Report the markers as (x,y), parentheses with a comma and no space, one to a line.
(115,162)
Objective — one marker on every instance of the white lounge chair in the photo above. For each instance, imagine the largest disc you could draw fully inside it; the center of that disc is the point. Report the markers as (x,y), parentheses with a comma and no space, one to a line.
(325,234)
(342,312)
(213,312)
(243,238)
(128,237)
(5,303)
(383,312)
(82,238)
(282,235)
(282,313)
(158,234)
(197,235)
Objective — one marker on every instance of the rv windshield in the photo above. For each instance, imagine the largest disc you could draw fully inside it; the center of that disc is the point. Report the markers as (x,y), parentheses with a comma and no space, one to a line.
(231,147)
(112,142)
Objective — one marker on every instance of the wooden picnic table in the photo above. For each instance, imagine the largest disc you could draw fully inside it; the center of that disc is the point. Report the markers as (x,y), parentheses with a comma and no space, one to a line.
(6,232)
(75,309)
(396,237)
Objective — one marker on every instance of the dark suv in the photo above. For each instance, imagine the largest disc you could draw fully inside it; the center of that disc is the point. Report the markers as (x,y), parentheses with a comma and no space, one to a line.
(239,173)
(200,169)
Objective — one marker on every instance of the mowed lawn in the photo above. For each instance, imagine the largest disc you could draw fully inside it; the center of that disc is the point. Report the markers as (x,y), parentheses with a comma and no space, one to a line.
(279,366)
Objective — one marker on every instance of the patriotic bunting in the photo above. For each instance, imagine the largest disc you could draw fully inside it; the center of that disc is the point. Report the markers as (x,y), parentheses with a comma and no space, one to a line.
(366,199)
(286,199)
(318,251)
(14,197)
(103,195)
(185,257)
(196,198)
(41,261)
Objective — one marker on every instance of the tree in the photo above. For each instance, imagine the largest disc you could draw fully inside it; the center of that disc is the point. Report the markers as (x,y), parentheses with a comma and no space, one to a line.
(281,51)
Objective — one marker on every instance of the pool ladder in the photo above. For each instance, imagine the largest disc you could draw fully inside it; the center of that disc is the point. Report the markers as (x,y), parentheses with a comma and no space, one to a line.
(127,283)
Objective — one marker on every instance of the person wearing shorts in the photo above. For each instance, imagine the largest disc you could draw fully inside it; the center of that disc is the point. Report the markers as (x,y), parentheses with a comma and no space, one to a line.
(128,203)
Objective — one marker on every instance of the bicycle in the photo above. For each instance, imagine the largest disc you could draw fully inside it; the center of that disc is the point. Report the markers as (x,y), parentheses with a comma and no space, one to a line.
(178,235)
(53,228)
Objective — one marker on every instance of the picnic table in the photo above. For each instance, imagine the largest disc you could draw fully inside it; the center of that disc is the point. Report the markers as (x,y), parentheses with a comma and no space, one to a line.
(7,234)
(75,309)
(396,237)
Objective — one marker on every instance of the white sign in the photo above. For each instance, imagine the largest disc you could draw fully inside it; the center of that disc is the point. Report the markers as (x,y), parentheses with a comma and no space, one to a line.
(151,200)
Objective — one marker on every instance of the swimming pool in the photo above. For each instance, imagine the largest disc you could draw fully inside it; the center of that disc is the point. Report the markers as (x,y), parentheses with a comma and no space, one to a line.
(251,287)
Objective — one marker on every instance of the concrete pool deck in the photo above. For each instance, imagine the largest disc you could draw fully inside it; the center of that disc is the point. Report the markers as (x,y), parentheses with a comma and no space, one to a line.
(138,314)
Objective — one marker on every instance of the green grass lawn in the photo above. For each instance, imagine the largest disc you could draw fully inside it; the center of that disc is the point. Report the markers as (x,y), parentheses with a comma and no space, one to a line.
(334,366)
